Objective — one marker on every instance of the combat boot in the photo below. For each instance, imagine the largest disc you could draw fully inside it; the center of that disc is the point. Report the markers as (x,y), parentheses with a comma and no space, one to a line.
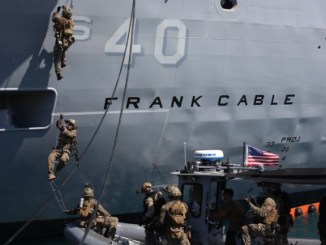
(63,62)
(59,76)
(52,177)
(60,166)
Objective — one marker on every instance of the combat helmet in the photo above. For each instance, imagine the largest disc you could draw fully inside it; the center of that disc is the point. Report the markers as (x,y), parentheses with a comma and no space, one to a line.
(88,192)
(66,12)
(72,122)
(145,186)
(173,191)
(269,201)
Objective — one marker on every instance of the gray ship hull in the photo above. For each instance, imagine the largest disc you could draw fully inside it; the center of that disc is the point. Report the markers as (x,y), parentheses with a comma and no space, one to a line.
(200,74)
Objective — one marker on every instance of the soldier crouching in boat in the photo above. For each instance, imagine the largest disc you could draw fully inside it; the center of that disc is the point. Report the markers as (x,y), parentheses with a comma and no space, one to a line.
(267,227)
(103,220)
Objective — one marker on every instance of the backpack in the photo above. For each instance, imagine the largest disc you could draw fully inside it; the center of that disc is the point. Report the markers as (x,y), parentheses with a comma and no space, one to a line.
(68,28)
(159,201)
(177,213)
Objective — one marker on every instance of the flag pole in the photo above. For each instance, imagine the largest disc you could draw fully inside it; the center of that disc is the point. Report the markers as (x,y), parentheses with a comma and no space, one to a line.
(244,154)
(185,153)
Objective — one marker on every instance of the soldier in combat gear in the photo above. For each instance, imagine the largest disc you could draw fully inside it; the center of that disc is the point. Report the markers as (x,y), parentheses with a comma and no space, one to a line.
(103,220)
(66,144)
(153,201)
(267,227)
(173,218)
(63,27)
(283,205)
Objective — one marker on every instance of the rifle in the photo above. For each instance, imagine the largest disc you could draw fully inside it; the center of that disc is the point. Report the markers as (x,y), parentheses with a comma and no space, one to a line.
(76,153)
(60,126)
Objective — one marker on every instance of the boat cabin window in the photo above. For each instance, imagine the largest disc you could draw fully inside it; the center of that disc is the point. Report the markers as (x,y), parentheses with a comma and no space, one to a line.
(216,201)
(228,4)
(192,195)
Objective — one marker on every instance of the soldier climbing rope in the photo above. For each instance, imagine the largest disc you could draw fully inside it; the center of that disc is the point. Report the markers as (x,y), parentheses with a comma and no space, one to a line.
(55,188)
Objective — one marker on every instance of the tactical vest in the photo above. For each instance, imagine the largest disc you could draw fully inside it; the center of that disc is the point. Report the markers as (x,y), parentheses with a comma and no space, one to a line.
(63,26)
(271,217)
(158,201)
(67,140)
(176,214)
(86,211)
(68,28)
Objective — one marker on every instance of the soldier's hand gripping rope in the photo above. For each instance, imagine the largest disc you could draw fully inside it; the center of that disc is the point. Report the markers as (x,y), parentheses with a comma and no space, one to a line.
(60,123)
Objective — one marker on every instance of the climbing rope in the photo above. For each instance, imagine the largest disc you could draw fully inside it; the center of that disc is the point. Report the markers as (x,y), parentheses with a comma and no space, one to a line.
(72,171)
(71,4)
(58,195)
(130,35)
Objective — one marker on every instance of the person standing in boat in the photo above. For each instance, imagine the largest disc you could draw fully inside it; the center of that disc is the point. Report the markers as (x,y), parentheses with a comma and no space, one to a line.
(63,27)
(173,217)
(283,205)
(66,145)
(322,221)
(152,203)
(234,213)
(267,228)
(103,219)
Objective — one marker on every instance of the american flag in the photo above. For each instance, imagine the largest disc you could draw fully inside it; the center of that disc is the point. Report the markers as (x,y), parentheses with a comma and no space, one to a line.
(257,157)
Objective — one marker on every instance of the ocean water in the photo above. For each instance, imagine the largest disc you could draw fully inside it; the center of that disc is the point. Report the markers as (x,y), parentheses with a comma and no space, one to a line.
(304,227)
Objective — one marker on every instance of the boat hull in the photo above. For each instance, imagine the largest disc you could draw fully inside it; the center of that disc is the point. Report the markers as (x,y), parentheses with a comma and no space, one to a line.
(126,234)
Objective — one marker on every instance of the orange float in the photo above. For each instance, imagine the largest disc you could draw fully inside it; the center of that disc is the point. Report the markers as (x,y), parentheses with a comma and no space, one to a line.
(304,209)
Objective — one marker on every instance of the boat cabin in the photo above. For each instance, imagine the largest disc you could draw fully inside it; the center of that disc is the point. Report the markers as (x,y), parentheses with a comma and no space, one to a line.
(202,183)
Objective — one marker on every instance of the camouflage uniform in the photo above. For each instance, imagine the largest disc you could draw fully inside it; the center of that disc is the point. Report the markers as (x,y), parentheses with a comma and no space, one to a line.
(63,26)
(174,232)
(66,144)
(283,205)
(151,211)
(103,219)
(270,216)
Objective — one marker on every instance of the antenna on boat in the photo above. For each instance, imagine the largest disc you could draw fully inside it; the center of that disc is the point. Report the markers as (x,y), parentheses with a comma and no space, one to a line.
(185,153)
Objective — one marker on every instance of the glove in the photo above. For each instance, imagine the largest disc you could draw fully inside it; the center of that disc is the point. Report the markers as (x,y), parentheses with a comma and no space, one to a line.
(144,221)
(247,199)
(140,223)
(273,226)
